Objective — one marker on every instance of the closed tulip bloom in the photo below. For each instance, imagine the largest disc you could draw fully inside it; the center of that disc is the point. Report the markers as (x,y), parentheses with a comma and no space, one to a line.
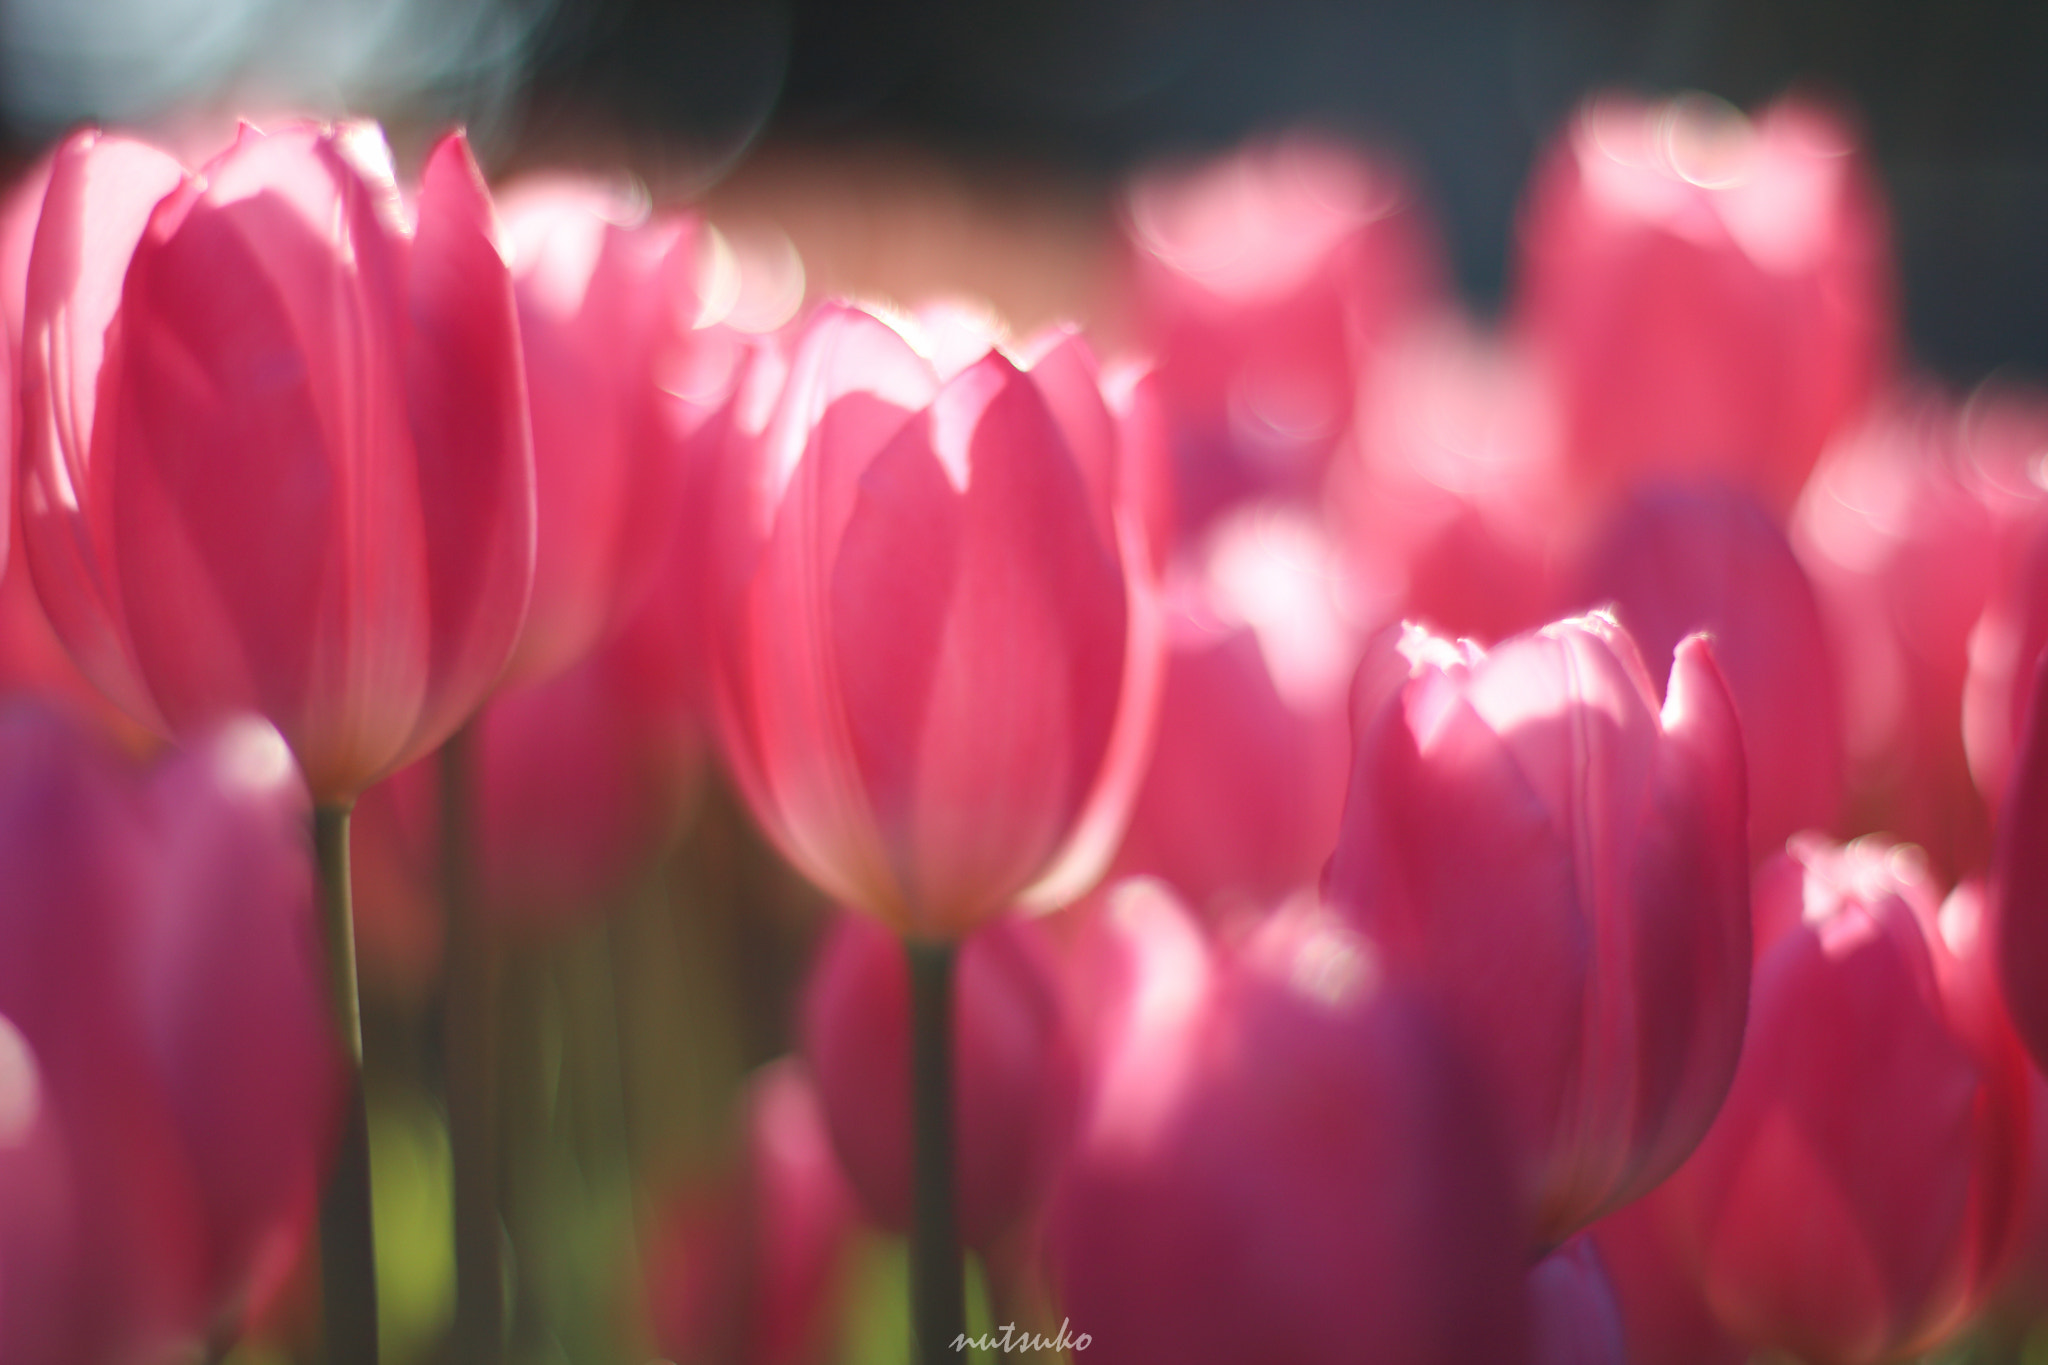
(276,445)
(1015,1069)
(1858,1192)
(1574,1317)
(1712,294)
(1564,866)
(1263,281)
(934,649)
(608,301)
(1239,806)
(1676,560)
(1284,1160)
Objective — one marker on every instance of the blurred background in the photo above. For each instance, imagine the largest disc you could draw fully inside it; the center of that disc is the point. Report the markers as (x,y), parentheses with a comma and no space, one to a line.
(992,106)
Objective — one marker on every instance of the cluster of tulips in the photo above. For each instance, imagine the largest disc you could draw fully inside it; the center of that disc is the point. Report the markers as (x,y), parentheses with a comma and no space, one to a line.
(1363,836)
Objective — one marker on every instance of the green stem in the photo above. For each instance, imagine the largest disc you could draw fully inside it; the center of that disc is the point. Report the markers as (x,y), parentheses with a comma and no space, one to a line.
(348,1258)
(937,1284)
(470,1056)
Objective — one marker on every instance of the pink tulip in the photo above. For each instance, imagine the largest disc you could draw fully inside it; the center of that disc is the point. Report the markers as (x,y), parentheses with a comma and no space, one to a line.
(1858,1192)
(276,441)
(158,961)
(750,1272)
(1455,505)
(1575,1319)
(1263,281)
(1664,1318)
(608,299)
(1015,1069)
(1239,806)
(1712,294)
(1708,558)
(1283,1160)
(1566,869)
(2019,880)
(935,651)
(2003,431)
(1907,529)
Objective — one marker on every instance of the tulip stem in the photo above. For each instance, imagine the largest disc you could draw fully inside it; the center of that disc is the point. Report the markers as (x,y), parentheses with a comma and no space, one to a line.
(348,1258)
(937,1283)
(470,1058)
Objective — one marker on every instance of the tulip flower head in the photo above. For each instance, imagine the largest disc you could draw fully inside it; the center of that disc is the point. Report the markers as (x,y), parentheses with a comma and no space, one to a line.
(1566,866)
(935,652)
(275,439)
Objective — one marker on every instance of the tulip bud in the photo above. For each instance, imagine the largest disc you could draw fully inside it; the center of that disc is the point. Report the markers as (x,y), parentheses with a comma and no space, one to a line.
(749,1273)
(1015,1070)
(1239,806)
(1262,281)
(1565,869)
(276,445)
(1574,1317)
(1283,1160)
(1858,1192)
(607,302)
(1712,294)
(935,651)
(1675,561)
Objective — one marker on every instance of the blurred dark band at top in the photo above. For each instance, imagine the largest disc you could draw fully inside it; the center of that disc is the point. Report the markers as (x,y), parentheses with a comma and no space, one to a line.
(1083,90)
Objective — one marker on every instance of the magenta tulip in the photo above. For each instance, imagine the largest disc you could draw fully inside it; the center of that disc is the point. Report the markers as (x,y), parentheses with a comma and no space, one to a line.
(1239,806)
(1015,1070)
(1283,1160)
(1858,1192)
(1575,1319)
(935,653)
(2019,880)
(1708,558)
(276,444)
(1566,869)
(1712,294)
(608,300)
(751,1272)
(1263,281)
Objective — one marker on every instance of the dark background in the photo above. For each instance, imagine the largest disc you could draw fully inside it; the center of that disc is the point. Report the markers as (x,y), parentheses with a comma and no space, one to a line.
(1954,97)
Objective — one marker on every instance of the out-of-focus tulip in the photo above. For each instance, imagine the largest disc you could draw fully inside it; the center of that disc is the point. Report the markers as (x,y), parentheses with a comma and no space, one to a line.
(608,301)
(2005,429)
(1663,1317)
(157,960)
(1263,281)
(2019,880)
(1906,529)
(1574,1317)
(276,445)
(1712,294)
(1858,1192)
(1239,806)
(1015,1070)
(1454,505)
(1566,869)
(575,784)
(1284,1159)
(1708,558)
(749,1273)
(936,647)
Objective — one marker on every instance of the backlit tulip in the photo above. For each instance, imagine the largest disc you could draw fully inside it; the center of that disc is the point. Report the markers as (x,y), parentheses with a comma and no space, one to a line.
(1565,869)
(1263,281)
(1858,1191)
(276,442)
(1284,1159)
(1015,1071)
(1708,558)
(608,300)
(1712,294)
(157,965)
(935,653)
(1239,806)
